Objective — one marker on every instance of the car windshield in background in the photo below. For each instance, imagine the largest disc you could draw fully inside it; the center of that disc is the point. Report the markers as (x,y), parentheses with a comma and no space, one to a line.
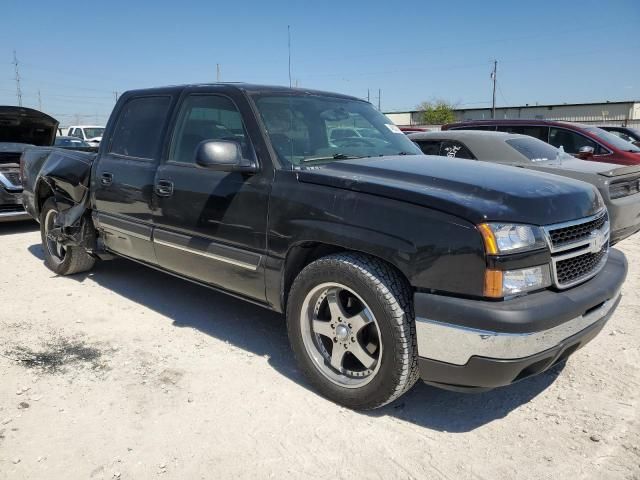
(536,150)
(93,132)
(315,128)
(612,139)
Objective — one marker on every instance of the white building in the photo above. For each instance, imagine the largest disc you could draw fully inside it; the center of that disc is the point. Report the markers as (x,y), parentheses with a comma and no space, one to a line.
(612,113)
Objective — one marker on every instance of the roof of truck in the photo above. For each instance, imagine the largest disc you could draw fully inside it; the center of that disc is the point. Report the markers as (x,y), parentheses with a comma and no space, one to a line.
(250,88)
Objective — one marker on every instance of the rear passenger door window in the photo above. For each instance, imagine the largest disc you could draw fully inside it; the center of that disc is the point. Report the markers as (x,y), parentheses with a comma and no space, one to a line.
(571,141)
(138,133)
(454,149)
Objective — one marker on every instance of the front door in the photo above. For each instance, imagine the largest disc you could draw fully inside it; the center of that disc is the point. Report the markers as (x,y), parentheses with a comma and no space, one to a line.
(211,225)
(124,177)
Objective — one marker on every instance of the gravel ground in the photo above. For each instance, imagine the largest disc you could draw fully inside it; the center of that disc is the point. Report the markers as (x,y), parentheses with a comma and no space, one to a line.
(130,373)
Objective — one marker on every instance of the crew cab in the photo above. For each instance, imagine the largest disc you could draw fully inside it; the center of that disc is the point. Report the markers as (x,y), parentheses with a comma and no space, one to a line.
(468,275)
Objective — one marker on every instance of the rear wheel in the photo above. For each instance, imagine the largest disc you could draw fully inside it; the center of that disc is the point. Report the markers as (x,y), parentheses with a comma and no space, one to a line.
(351,327)
(62,260)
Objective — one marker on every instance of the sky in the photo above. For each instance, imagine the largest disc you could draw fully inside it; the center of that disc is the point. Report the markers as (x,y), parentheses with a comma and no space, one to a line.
(78,55)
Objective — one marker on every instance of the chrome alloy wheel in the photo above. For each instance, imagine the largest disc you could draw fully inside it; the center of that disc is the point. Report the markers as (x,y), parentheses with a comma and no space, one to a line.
(56,250)
(341,335)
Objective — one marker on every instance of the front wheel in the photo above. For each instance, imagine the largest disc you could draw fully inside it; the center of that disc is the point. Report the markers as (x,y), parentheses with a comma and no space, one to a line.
(61,260)
(351,327)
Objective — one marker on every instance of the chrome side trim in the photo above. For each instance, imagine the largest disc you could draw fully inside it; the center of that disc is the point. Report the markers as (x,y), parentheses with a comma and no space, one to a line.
(454,344)
(213,256)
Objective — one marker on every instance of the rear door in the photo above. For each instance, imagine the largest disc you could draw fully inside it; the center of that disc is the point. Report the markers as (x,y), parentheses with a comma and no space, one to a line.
(211,225)
(124,177)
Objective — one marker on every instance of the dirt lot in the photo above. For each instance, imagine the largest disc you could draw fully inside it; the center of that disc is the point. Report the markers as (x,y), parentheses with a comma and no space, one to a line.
(131,373)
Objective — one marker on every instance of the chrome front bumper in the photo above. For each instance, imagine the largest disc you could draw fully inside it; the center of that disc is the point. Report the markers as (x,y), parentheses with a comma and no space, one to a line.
(454,344)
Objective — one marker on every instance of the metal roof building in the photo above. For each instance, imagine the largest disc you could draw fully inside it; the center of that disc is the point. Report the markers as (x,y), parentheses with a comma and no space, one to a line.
(611,113)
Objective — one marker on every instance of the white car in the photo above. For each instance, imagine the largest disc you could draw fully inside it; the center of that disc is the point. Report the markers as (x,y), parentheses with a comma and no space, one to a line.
(92,134)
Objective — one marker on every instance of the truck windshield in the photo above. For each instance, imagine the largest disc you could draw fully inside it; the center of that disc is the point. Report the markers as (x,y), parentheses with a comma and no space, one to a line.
(304,129)
(93,132)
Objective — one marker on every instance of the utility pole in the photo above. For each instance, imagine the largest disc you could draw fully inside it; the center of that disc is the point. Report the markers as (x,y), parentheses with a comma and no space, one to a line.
(494,77)
(115,95)
(289,46)
(217,72)
(368,96)
(39,101)
(379,99)
(18,90)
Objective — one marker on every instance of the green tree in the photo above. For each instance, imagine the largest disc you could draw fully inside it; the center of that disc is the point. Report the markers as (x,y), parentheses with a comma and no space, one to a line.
(437,112)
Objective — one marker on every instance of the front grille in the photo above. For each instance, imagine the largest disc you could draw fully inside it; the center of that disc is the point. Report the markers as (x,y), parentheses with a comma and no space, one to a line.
(624,188)
(580,267)
(11,208)
(574,233)
(13,177)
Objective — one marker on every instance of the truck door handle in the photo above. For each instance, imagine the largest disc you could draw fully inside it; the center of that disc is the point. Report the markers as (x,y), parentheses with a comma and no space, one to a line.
(164,188)
(107,179)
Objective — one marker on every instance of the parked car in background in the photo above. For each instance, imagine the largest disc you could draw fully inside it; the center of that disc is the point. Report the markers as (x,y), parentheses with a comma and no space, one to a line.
(619,186)
(390,265)
(582,141)
(629,134)
(409,130)
(20,128)
(73,142)
(91,134)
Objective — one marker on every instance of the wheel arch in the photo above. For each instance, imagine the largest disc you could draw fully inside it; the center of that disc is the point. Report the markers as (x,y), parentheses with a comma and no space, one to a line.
(304,253)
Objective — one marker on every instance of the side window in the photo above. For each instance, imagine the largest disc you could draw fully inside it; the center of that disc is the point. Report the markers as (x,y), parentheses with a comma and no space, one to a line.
(206,117)
(138,131)
(451,148)
(570,141)
(76,133)
(430,147)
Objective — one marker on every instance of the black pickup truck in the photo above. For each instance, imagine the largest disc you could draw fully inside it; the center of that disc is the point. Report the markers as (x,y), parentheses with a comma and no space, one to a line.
(390,265)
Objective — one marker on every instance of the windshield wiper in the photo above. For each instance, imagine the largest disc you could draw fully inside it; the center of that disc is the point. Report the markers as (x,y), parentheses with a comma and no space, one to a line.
(405,153)
(337,156)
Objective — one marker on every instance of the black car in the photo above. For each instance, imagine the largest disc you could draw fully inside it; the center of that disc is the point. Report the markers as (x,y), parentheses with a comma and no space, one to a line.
(619,186)
(20,128)
(390,266)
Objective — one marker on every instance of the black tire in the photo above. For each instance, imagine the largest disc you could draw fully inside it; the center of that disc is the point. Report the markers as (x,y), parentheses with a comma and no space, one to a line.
(388,296)
(73,260)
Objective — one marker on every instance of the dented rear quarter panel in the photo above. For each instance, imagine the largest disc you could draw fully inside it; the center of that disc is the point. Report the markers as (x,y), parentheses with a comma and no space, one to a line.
(66,173)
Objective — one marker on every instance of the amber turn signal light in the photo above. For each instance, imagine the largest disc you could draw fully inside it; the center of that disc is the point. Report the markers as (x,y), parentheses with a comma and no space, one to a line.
(493,284)
(490,244)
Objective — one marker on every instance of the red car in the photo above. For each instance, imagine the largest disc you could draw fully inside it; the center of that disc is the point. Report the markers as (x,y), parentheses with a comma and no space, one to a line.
(582,141)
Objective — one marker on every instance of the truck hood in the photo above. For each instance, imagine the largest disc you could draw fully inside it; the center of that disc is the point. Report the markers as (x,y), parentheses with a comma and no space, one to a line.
(26,125)
(476,191)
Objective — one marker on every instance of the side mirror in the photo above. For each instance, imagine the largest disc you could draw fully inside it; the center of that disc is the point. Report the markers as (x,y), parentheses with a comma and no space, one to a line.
(585,153)
(223,156)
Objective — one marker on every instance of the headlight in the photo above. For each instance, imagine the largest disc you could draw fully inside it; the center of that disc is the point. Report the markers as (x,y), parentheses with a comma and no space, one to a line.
(506,283)
(511,238)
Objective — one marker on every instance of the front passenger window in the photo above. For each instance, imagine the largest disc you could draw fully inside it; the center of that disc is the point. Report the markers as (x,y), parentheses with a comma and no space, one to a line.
(570,141)
(206,117)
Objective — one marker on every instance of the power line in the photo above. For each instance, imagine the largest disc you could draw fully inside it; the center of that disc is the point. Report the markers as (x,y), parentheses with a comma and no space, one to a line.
(17,69)
(494,77)
(289,47)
